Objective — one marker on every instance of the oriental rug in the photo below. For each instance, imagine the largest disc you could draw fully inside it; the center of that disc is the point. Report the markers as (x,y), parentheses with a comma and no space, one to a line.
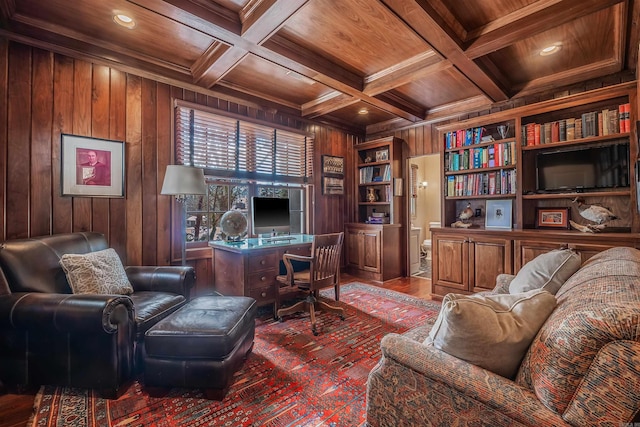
(292,378)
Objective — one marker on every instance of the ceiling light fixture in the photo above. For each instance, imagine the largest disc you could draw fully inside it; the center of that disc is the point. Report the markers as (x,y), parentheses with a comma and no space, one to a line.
(550,50)
(124,20)
(363,111)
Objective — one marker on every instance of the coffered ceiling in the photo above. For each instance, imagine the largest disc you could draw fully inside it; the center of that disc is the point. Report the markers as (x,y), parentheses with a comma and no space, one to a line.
(401,61)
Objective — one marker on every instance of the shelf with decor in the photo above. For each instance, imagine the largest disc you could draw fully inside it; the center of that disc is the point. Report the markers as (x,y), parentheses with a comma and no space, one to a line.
(373,239)
(480,159)
(580,151)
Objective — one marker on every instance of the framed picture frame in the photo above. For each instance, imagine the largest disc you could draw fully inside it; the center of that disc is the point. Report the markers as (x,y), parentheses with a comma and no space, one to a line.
(382,155)
(553,218)
(332,165)
(499,214)
(332,186)
(91,167)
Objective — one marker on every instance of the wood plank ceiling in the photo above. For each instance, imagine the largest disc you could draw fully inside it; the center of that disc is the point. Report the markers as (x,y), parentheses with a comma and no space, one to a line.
(402,61)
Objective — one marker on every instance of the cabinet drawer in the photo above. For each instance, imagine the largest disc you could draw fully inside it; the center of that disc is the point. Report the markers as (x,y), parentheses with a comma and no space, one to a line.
(263,261)
(298,250)
(263,295)
(262,279)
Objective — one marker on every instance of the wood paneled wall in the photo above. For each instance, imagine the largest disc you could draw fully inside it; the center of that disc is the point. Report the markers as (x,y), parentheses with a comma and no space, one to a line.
(43,95)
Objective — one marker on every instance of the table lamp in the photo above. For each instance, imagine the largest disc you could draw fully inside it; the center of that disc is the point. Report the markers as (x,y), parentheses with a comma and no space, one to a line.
(181,181)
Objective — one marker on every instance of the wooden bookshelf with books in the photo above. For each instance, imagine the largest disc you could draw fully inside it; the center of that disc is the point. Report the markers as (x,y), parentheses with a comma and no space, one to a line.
(565,155)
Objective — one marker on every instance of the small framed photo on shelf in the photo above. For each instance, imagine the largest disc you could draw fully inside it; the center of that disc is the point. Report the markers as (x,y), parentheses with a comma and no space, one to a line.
(382,155)
(553,218)
(332,186)
(498,214)
(92,167)
(332,165)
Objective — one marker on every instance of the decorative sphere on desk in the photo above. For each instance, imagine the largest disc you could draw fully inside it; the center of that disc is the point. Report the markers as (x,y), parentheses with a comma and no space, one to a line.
(233,225)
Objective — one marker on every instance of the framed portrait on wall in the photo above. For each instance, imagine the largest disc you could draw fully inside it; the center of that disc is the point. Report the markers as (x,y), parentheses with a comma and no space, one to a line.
(332,165)
(92,167)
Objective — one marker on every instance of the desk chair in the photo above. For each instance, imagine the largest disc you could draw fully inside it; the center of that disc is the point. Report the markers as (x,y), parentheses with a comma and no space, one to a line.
(323,272)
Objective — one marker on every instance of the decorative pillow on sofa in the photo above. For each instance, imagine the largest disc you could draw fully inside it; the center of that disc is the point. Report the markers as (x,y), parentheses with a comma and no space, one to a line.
(99,272)
(547,271)
(491,331)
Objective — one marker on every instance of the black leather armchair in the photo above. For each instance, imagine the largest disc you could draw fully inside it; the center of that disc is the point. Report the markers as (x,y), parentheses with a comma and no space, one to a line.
(48,335)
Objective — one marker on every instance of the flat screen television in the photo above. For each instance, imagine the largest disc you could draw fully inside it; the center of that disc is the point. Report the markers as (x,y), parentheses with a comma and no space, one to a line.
(270,215)
(583,169)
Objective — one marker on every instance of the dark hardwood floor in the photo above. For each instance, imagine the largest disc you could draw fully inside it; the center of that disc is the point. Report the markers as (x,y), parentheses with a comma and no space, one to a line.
(15,409)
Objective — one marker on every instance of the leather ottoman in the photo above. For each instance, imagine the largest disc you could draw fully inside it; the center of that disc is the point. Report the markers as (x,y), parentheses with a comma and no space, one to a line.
(201,345)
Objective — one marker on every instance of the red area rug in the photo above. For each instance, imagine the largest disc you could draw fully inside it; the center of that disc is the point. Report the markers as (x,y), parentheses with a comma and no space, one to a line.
(292,378)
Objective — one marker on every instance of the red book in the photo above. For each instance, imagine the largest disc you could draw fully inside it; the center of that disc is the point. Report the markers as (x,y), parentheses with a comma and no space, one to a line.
(536,134)
(531,129)
(555,131)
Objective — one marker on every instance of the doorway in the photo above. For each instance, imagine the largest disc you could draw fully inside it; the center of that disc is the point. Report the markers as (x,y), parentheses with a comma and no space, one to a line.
(424,210)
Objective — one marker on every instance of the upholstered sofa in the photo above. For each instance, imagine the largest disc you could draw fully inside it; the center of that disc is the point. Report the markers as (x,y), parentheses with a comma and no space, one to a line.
(49,335)
(581,369)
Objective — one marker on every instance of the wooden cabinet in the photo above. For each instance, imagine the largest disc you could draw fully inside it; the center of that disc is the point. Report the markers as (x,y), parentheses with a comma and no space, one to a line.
(372,251)
(251,269)
(593,126)
(376,243)
(469,262)
(526,249)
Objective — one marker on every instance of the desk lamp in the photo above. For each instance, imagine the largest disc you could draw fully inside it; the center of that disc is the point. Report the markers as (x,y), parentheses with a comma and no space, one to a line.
(181,181)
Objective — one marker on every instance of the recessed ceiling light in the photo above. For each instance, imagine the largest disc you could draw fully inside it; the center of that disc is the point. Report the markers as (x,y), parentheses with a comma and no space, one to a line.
(550,50)
(124,20)
(363,111)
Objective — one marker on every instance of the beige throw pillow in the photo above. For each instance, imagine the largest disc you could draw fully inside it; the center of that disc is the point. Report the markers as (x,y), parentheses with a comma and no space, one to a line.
(491,331)
(548,271)
(99,272)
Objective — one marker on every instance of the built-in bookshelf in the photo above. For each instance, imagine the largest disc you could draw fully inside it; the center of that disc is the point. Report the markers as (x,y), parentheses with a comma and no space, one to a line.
(481,161)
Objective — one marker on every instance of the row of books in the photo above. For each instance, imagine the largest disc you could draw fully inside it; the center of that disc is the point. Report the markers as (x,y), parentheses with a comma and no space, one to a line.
(481,184)
(370,174)
(594,123)
(494,155)
(463,137)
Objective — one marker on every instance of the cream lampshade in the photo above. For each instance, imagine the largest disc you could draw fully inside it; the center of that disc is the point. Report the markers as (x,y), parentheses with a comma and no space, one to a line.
(182,180)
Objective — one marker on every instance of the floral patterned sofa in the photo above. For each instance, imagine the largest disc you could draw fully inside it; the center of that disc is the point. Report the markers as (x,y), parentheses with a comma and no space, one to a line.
(582,368)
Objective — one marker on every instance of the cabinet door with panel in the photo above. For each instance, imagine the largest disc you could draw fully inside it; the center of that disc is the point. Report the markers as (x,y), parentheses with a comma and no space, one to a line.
(468,264)
(527,250)
(363,248)
(488,257)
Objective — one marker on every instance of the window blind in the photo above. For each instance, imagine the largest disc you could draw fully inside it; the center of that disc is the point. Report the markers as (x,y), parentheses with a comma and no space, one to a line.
(218,143)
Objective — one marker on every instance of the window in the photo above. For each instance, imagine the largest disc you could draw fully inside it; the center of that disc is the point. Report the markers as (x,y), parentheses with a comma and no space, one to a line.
(204,212)
(240,159)
(228,147)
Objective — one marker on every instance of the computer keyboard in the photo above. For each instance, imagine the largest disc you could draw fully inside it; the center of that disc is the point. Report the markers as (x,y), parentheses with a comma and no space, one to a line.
(278,239)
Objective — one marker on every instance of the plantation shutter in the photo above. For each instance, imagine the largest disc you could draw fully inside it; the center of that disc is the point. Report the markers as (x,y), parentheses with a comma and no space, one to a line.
(227,146)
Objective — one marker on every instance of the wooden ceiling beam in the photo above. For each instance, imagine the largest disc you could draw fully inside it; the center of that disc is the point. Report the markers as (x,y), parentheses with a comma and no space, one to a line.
(413,69)
(425,21)
(533,19)
(262,18)
(402,103)
(326,104)
(7,9)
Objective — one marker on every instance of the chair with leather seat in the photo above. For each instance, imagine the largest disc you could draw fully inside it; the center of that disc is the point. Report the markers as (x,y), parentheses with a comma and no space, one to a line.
(323,272)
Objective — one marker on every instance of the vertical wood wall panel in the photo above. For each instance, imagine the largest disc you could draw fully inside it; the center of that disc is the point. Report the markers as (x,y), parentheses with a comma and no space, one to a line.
(81,126)
(4,63)
(149,167)
(18,143)
(117,235)
(100,129)
(62,123)
(42,96)
(164,111)
(133,173)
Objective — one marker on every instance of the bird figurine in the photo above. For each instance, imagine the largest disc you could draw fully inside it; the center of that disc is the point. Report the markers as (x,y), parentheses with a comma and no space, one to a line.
(466,213)
(594,213)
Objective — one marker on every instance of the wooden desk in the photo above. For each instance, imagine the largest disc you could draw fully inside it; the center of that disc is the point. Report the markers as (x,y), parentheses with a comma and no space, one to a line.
(250,267)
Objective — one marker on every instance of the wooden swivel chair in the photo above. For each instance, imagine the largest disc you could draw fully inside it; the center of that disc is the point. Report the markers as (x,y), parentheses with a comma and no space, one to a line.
(323,272)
